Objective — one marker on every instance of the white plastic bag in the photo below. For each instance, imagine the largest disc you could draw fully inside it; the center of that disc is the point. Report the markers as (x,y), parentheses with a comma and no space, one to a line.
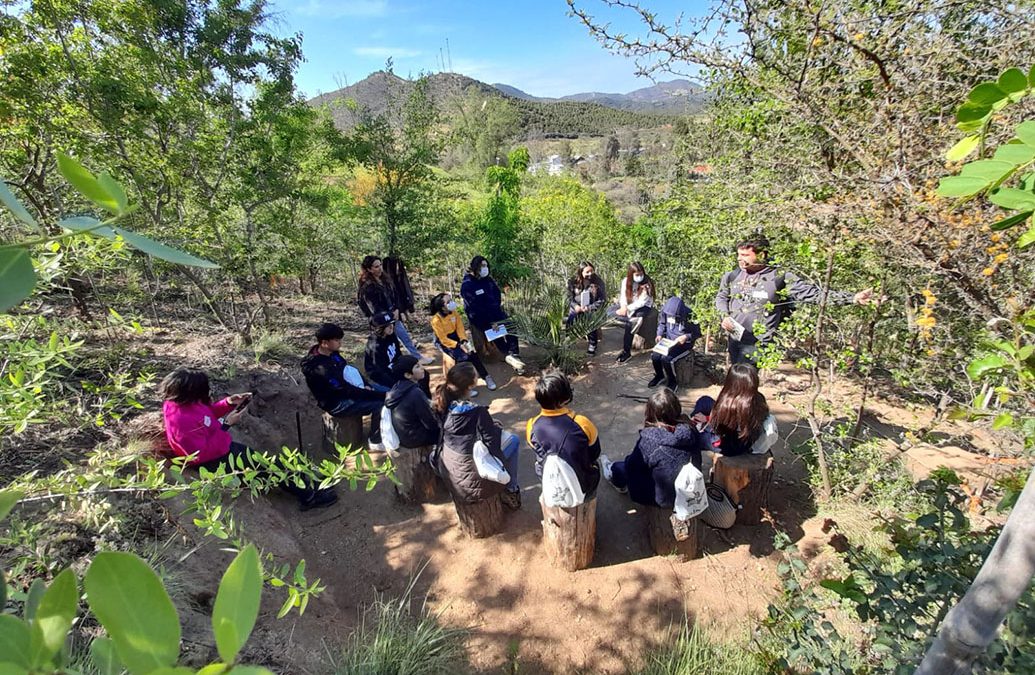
(691,496)
(770,434)
(488,465)
(389,438)
(560,484)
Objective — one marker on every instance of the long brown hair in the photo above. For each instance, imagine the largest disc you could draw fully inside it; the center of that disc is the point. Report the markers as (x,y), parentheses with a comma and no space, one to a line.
(580,283)
(663,409)
(648,283)
(740,409)
(459,379)
(365,275)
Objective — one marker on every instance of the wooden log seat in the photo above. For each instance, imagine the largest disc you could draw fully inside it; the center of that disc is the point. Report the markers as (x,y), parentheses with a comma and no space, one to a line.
(417,481)
(486,350)
(671,536)
(569,534)
(684,367)
(481,519)
(342,431)
(747,479)
(645,330)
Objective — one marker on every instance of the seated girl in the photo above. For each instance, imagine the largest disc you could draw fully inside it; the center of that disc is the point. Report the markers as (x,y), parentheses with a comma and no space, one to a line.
(666,444)
(412,417)
(463,424)
(675,324)
(193,429)
(451,338)
(483,304)
(635,300)
(733,423)
(383,349)
(586,293)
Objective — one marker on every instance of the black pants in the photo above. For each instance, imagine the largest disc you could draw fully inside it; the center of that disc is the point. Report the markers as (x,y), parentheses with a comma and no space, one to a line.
(593,337)
(663,363)
(459,356)
(242,450)
(629,321)
(740,352)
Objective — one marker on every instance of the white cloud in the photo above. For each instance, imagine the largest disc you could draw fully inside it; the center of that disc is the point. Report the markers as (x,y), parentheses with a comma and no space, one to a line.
(385,52)
(334,9)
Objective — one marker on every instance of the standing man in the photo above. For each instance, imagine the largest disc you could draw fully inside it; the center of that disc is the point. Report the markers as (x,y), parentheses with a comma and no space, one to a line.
(756,297)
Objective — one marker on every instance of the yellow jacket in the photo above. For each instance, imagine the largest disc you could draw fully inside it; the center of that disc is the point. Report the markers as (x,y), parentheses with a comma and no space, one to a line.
(449,329)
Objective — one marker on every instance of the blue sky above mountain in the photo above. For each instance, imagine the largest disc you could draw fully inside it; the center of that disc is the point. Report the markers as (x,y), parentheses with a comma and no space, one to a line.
(533,45)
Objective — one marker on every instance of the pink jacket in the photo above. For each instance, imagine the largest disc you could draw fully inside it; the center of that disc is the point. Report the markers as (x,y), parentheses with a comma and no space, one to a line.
(194,428)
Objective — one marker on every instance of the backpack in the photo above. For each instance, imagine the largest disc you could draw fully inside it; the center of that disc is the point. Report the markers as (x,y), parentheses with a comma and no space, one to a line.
(389,437)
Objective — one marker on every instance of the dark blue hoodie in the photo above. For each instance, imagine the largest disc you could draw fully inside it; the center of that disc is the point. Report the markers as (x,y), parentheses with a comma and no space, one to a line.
(482,301)
(675,321)
(652,467)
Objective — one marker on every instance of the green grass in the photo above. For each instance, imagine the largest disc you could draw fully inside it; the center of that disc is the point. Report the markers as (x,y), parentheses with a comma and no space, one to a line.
(397,639)
(693,652)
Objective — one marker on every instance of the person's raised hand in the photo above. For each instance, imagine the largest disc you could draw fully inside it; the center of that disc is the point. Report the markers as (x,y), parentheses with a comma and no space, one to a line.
(682,339)
(866,297)
(238,399)
(233,418)
(622,311)
(699,418)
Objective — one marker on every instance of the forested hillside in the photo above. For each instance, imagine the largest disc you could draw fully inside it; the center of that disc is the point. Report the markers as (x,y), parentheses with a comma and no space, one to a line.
(818,293)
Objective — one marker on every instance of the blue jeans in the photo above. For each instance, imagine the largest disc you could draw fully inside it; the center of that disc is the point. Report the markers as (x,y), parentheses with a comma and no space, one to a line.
(509,444)
(348,408)
(405,339)
(618,478)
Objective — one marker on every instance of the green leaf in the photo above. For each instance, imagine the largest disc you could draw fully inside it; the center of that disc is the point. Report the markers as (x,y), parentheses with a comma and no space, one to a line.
(963,148)
(250,670)
(172,670)
(1012,81)
(1026,239)
(989,169)
(85,182)
(54,617)
(1002,420)
(159,250)
(104,658)
(15,206)
(87,224)
(237,603)
(128,598)
(1026,132)
(972,112)
(1012,198)
(986,93)
(1031,76)
(14,640)
(3,590)
(32,599)
(960,186)
(980,367)
(1009,222)
(8,498)
(1015,153)
(17,277)
(113,189)
(8,668)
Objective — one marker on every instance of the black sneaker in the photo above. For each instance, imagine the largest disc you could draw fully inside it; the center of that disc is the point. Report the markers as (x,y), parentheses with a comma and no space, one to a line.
(591,350)
(655,381)
(623,357)
(512,500)
(318,500)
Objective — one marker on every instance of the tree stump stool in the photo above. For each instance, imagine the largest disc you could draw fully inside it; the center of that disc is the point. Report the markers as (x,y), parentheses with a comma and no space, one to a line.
(684,367)
(342,431)
(646,333)
(569,534)
(447,362)
(485,349)
(671,536)
(481,519)
(746,478)
(417,481)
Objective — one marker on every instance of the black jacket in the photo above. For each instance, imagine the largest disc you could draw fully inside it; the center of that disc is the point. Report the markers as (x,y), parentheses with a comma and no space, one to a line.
(597,293)
(377,361)
(464,424)
(325,376)
(414,420)
(482,301)
(654,464)
(374,298)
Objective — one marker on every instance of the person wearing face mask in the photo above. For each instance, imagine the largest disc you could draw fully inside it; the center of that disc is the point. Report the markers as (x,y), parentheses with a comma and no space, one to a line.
(754,299)
(483,304)
(451,338)
(635,301)
(586,293)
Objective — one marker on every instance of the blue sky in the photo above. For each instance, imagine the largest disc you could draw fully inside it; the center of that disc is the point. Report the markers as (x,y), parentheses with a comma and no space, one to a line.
(533,44)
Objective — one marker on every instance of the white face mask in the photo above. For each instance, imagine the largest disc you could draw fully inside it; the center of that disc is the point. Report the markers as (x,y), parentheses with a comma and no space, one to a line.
(484,271)
(451,306)
(638,278)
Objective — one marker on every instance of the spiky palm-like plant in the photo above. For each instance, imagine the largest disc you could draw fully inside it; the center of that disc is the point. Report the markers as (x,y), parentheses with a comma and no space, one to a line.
(538,315)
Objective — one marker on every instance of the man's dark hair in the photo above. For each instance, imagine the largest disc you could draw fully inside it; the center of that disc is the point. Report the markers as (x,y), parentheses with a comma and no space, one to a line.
(329,331)
(185,385)
(403,365)
(553,390)
(757,243)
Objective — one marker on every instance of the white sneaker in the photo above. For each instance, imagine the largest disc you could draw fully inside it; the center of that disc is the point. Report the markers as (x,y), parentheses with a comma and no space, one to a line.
(375,447)
(490,383)
(515,363)
(426,360)
(474,392)
(604,462)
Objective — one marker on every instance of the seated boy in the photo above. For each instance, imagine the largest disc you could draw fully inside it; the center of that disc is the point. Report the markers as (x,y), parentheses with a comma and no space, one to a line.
(675,323)
(556,430)
(340,388)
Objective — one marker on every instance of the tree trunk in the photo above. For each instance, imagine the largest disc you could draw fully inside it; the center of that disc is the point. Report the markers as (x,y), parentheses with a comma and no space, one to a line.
(973,623)
(341,431)
(481,519)
(684,368)
(671,536)
(569,534)
(417,482)
(746,478)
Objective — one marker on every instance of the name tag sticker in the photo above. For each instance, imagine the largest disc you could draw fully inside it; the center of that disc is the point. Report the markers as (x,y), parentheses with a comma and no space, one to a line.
(480,291)
(671,319)
(760,295)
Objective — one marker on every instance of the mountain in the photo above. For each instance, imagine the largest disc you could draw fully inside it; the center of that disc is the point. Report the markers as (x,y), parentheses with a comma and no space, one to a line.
(674,97)
(538,117)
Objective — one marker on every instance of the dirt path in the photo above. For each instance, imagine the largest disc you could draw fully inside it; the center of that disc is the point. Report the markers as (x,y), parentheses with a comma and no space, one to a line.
(520,609)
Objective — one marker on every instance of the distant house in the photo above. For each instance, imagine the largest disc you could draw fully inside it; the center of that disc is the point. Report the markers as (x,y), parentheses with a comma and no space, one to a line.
(552,165)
